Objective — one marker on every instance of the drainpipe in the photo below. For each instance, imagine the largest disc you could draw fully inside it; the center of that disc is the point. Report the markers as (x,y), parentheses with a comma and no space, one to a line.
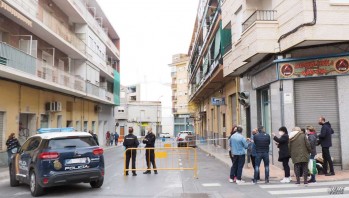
(300,26)
(282,106)
(237,84)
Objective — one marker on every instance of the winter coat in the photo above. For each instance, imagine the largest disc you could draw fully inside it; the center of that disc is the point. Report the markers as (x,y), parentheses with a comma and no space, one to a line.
(299,147)
(238,144)
(312,141)
(262,142)
(325,136)
(283,147)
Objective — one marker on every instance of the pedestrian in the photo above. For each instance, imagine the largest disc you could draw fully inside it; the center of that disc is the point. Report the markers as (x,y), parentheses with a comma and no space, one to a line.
(284,155)
(239,144)
(262,142)
(13,145)
(312,137)
(232,132)
(325,139)
(107,138)
(111,139)
(94,137)
(252,151)
(116,137)
(149,141)
(299,149)
(130,142)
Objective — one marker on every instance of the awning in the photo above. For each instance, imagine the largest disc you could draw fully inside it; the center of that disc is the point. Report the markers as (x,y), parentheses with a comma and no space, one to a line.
(15,13)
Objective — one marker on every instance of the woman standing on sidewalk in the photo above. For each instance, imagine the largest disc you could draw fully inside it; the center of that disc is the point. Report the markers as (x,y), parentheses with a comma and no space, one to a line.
(312,137)
(299,149)
(284,156)
(232,175)
(12,145)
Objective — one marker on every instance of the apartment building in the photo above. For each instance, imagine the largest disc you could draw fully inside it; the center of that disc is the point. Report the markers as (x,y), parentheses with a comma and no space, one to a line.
(182,116)
(211,94)
(137,114)
(59,67)
(292,60)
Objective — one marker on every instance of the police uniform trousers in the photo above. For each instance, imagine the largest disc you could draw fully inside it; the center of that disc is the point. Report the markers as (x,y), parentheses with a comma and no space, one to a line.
(131,154)
(150,158)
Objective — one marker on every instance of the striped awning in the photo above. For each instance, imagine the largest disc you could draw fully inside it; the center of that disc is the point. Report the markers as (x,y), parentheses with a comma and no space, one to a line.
(9,9)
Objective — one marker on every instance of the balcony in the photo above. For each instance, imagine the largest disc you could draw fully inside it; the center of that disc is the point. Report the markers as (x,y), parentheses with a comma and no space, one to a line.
(174,86)
(19,66)
(17,59)
(95,26)
(259,15)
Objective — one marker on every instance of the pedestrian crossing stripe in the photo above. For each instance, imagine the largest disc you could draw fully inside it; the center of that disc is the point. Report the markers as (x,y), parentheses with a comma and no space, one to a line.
(334,183)
(324,196)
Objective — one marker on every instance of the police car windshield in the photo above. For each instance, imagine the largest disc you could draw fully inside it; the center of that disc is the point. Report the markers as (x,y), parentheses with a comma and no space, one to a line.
(77,142)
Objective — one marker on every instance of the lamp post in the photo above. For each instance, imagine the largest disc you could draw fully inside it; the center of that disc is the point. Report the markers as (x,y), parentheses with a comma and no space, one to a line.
(157,116)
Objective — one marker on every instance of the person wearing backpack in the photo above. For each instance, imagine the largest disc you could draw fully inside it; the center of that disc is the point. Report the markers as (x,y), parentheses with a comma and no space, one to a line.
(116,136)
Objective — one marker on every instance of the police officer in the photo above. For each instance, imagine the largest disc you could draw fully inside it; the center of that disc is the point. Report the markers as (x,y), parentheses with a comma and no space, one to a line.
(131,141)
(149,142)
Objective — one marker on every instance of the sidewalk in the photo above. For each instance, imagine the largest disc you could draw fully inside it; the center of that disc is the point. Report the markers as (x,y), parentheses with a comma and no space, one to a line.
(276,173)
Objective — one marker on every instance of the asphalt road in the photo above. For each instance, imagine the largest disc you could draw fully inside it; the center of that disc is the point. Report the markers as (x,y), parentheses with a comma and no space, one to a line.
(212,183)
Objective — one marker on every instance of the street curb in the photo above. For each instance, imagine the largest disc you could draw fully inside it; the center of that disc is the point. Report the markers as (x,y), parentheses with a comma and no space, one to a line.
(208,152)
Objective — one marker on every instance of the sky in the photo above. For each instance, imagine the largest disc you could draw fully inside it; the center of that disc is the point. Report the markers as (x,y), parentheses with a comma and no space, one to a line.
(150,32)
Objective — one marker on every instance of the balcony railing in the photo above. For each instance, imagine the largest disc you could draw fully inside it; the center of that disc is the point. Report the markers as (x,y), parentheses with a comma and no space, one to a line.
(12,57)
(259,15)
(80,5)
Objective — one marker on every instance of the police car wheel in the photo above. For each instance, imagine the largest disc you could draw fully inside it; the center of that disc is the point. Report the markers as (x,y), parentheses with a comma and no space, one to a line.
(35,188)
(13,181)
(97,183)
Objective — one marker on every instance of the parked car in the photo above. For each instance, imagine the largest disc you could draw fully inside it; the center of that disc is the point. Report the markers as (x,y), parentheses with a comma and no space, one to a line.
(57,158)
(165,135)
(182,140)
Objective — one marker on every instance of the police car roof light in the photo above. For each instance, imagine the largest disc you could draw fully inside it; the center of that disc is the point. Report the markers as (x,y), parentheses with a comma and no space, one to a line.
(50,130)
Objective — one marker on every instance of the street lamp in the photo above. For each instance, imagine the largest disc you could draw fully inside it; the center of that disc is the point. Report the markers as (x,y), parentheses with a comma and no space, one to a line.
(157,115)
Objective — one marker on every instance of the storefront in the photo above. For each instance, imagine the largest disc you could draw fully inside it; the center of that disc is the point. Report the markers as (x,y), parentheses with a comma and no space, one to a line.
(296,92)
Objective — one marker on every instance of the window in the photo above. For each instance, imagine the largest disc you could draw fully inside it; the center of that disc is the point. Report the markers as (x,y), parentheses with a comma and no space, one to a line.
(71,142)
(93,125)
(122,94)
(77,126)
(238,25)
(85,126)
(31,144)
(44,121)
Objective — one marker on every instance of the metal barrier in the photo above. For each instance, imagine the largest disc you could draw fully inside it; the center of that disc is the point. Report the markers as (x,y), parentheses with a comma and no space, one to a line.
(166,158)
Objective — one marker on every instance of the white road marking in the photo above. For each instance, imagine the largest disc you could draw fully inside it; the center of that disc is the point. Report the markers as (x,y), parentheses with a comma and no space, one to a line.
(211,185)
(310,185)
(180,164)
(325,196)
(22,193)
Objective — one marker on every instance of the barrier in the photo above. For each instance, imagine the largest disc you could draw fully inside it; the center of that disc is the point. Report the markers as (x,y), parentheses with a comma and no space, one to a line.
(166,158)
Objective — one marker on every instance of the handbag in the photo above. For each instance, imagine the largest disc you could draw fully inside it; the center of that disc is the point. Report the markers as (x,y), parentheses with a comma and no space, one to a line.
(312,167)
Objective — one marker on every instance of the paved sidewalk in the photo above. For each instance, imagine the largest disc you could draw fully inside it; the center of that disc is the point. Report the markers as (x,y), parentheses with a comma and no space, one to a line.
(276,173)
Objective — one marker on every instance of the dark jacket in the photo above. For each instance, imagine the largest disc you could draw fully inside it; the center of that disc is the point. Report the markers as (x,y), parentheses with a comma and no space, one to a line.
(130,141)
(299,147)
(95,138)
(262,142)
(149,140)
(12,143)
(312,141)
(283,147)
(325,136)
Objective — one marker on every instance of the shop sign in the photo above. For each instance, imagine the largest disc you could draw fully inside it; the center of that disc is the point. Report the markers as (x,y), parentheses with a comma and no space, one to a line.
(314,68)
(217,101)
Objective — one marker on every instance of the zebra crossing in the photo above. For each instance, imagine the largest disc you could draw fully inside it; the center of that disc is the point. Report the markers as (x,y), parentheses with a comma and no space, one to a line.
(312,190)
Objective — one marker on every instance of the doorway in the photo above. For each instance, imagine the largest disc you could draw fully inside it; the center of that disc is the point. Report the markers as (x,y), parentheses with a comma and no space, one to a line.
(27,126)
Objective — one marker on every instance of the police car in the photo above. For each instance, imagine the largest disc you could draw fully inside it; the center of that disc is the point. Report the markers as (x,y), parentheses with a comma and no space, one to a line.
(57,157)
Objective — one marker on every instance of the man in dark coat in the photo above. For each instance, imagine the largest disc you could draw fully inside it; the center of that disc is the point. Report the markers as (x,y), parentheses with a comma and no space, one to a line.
(262,142)
(325,139)
(131,141)
(149,141)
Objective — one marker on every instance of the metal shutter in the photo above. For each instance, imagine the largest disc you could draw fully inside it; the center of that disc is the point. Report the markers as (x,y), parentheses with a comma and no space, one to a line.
(1,129)
(314,98)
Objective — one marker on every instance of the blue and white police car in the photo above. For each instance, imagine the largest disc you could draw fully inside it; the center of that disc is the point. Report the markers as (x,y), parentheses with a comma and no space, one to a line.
(57,156)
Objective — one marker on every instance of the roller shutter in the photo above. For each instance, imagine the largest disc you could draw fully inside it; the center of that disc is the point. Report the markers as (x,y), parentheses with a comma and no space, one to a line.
(314,98)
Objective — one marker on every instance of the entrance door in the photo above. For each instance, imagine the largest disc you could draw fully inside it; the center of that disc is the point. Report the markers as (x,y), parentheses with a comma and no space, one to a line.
(59,121)
(265,110)
(2,116)
(122,132)
(315,98)
(27,126)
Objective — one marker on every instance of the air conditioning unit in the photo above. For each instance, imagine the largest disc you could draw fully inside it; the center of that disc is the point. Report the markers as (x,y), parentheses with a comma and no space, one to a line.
(98,108)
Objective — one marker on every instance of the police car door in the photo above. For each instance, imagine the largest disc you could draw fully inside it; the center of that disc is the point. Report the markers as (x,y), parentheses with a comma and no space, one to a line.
(26,154)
